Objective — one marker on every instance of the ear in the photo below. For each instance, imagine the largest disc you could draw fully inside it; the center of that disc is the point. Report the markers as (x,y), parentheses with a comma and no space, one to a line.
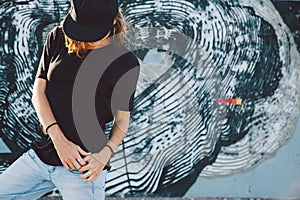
(115,21)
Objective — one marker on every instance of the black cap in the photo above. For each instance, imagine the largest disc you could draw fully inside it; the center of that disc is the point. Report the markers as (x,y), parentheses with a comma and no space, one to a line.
(90,20)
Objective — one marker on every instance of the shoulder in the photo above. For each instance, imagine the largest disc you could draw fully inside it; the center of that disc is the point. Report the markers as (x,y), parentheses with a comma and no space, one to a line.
(128,59)
(55,36)
(55,40)
(123,64)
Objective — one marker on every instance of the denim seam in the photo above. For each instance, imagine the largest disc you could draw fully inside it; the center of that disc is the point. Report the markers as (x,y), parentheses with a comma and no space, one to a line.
(31,189)
(93,190)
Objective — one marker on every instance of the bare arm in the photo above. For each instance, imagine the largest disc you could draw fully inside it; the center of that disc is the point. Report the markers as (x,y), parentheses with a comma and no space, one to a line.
(67,151)
(97,161)
(42,106)
(117,134)
(119,128)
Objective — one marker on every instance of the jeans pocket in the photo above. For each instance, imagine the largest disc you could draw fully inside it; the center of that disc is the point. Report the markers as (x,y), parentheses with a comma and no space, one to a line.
(74,171)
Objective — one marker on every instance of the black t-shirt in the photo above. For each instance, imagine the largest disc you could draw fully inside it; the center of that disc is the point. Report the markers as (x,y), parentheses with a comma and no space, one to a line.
(60,69)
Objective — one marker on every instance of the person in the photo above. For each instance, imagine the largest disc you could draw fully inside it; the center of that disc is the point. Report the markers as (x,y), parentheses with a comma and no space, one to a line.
(61,159)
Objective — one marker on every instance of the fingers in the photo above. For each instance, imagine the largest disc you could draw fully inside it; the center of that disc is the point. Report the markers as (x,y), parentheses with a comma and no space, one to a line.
(70,154)
(87,174)
(87,158)
(91,171)
(76,164)
(66,166)
(90,176)
(71,164)
(82,152)
(81,161)
(84,168)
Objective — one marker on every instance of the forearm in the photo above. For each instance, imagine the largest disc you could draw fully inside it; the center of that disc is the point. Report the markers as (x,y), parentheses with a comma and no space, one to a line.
(44,112)
(68,152)
(118,131)
(117,134)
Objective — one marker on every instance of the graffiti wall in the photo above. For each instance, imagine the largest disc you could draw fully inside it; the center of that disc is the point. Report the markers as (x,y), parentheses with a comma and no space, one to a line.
(218,91)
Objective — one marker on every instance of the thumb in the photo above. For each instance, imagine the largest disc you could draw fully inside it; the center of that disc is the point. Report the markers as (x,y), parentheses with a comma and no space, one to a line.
(82,152)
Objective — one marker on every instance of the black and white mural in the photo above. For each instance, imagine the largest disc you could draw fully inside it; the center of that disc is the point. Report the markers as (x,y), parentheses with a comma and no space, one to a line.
(218,91)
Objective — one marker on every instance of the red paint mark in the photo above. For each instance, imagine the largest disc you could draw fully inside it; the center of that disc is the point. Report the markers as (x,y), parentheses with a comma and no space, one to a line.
(235,101)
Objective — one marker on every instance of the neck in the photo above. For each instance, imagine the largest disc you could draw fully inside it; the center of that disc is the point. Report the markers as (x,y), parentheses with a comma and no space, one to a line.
(98,44)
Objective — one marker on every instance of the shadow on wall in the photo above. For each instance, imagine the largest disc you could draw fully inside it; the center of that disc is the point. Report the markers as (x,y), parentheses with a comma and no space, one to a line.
(192,53)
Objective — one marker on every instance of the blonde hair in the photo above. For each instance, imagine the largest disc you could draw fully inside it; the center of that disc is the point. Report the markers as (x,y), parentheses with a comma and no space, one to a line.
(117,33)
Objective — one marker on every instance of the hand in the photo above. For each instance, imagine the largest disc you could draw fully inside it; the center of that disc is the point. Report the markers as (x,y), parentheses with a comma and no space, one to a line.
(96,163)
(69,153)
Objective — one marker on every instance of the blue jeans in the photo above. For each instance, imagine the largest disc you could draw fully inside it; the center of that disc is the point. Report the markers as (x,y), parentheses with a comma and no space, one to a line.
(29,178)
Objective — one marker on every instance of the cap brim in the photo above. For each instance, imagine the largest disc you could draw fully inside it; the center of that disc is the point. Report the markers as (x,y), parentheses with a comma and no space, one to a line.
(84,33)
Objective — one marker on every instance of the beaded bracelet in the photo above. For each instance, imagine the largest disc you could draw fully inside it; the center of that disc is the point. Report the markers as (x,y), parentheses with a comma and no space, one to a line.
(50,126)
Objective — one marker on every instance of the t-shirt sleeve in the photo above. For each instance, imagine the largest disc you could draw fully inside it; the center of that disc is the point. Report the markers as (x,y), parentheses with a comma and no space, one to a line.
(45,58)
(124,90)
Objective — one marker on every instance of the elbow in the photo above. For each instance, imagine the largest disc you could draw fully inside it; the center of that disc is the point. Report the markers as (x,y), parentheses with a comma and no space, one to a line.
(121,120)
(39,89)
(122,124)
(36,96)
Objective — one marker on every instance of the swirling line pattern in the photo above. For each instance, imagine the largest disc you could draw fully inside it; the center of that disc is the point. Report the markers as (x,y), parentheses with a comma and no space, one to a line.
(178,130)
(22,26)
